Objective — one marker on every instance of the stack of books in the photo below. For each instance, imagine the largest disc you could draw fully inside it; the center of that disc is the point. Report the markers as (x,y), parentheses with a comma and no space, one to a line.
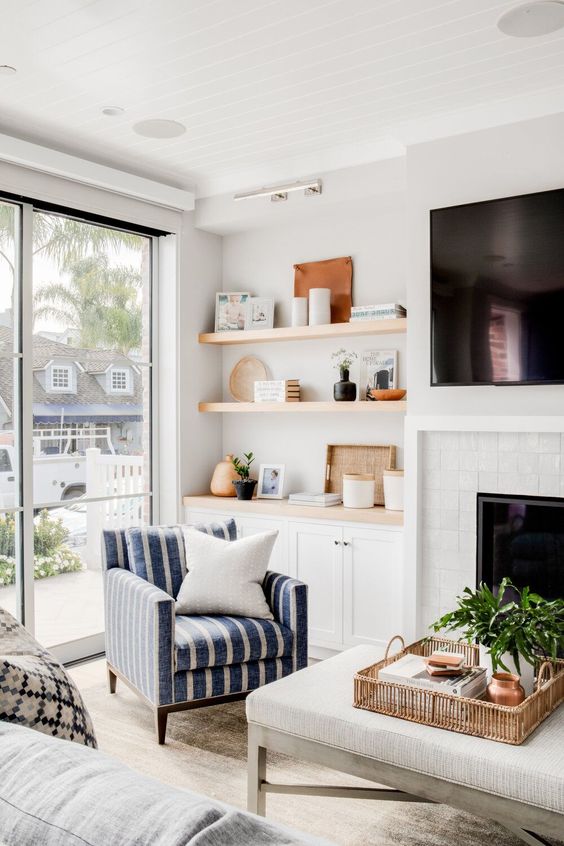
(320,500)
(385,311)
(278,390)
(412,670)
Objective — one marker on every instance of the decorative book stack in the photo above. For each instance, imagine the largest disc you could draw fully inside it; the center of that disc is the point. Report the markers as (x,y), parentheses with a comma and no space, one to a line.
(319,500)
(412,670)
(385,311)
(278,390)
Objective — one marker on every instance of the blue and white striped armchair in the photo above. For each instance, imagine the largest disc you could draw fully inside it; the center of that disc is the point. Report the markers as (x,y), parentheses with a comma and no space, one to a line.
(179,662)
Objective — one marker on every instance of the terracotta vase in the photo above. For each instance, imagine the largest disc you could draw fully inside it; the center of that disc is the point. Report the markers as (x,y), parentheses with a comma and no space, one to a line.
(223,477)
(505,689)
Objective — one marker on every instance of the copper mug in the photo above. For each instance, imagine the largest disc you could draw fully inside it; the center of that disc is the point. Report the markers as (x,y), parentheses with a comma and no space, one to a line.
(505,689)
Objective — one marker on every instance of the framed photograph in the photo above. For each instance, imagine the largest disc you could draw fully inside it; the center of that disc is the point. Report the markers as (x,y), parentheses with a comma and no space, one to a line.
(378,369)
(230,311)
(260,313)
(271,481)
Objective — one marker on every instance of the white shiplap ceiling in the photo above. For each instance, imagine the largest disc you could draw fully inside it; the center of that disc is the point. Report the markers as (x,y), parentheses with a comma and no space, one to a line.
(266,88)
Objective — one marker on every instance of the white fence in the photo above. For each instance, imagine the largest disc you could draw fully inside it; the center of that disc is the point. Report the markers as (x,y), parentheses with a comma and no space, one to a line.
(112,476)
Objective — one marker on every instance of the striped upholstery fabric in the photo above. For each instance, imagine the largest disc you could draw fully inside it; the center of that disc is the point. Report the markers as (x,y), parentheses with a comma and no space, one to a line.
(237,678)
(288,602)
(140,633)
(220,641)
(224,529)
(156,554)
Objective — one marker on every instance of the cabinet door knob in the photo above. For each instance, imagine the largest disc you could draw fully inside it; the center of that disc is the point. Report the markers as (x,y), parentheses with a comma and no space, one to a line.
(336,542)
(346,543)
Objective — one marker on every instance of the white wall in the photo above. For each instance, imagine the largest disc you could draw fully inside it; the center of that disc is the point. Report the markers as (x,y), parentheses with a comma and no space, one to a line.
(500,162)
(367,222)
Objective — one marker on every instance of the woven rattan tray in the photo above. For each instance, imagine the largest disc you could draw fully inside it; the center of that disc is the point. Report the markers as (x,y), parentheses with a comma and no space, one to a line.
(455,713)
(358,458)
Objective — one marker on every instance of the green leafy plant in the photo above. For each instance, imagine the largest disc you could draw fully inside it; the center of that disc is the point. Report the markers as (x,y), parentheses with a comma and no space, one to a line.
(527,627)
(242,468)
(52,555)
(343,360)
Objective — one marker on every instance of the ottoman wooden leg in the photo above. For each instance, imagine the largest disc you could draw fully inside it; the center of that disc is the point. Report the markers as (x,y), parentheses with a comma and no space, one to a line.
(256,775)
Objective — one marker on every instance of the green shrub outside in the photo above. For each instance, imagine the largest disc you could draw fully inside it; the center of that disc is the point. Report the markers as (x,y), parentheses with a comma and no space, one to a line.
(51,554)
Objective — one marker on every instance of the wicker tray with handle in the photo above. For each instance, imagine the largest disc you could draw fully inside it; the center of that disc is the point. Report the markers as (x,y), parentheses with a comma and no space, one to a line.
(456,713)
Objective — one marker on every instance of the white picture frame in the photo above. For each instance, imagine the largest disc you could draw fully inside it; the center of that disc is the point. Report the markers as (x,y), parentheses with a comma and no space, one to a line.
(271,481)
(259,313)
(378,369)
(230,310)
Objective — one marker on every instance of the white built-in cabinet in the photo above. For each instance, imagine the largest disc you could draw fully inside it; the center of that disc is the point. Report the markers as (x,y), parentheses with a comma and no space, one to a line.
(354,573)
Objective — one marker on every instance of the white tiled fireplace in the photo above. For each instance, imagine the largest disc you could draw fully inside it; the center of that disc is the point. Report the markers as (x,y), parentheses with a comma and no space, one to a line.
(454,467)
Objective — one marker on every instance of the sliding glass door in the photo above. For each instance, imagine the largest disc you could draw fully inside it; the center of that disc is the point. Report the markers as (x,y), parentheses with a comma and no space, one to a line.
(75,414)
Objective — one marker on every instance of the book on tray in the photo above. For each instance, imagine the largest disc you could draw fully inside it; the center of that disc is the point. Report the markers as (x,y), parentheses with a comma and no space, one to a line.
(322,500)
(386,311)
(411,670)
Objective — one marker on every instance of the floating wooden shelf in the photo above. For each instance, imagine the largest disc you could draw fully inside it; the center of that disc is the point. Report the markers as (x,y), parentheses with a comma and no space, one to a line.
(304,407)
(306,333)
(282,508)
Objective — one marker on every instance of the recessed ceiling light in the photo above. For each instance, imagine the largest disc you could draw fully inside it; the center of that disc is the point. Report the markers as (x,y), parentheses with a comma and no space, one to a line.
(113,111)
(533,19)
(157,128)
(7,70)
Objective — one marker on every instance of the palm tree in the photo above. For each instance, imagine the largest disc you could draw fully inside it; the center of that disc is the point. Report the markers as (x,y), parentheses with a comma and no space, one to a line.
(100,302)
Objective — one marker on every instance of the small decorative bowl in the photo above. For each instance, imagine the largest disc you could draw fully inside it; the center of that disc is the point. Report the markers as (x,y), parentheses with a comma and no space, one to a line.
(386,394)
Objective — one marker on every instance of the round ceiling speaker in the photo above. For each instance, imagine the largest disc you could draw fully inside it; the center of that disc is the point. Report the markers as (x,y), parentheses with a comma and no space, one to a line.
(533,19)
(157,128)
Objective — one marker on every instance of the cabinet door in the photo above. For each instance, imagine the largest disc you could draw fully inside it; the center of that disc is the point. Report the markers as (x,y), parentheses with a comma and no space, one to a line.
(247,526)
(372,564)
(316,558)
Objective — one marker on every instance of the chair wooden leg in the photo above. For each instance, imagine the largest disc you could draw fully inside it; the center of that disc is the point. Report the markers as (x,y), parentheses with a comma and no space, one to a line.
(160,724)
(112,680)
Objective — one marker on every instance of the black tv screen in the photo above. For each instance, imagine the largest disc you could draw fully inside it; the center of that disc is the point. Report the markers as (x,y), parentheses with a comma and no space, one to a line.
(497,291)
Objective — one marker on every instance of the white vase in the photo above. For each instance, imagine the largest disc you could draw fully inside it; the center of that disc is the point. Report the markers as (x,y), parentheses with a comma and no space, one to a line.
(319,306)
(299,311)
(527,674)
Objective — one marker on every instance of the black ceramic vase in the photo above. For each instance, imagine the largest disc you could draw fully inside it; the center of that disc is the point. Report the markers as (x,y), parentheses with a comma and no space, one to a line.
(245,488)
(344,390)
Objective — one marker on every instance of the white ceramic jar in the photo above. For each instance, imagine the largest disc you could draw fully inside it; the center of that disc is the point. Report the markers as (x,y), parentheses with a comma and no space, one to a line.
(319,306)
(299,311)
(393,490)
(358,490)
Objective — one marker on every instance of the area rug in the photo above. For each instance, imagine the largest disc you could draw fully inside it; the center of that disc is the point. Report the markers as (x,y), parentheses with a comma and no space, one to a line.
(206,751)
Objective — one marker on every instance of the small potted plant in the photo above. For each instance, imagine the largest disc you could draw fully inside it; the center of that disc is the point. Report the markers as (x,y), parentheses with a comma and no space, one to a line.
(244,486)
(514,633)
(344,390)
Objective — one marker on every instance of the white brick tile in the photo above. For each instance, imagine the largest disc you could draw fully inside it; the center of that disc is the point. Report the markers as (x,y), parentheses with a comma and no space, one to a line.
(431,459)
(449,540)
(449,501)
(432,518)
(449,480)
(449,520)
(468,460)
(432,479)
(450,440)
(487,441)
(467,500)
(529,441)
(528,463)
(549,485)
(518,483)
(549,442)
(429,595)
(507,462)
(468,480)
(550,464)
(487,461)
(508,441)
(432,539)
(488,482)
(562,442)
(431,499)
(467,541)
(449,459)
(467,521)
(452,580)
(429,613)
(430,578)
(469,440)
(431,440)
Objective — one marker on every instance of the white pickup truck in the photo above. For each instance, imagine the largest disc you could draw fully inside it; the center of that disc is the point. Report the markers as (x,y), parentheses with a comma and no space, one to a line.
(57,476)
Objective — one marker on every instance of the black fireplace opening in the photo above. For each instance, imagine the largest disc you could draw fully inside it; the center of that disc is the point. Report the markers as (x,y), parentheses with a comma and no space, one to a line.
(522,538)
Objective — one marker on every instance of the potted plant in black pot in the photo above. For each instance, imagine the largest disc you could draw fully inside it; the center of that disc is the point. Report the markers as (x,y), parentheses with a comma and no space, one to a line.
(244,485)
(514,633)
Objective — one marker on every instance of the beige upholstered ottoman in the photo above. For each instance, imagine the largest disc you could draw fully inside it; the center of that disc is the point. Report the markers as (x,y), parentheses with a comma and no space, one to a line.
(310,716)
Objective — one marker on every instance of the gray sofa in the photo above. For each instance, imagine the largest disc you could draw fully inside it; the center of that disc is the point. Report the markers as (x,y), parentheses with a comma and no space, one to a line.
(57,793)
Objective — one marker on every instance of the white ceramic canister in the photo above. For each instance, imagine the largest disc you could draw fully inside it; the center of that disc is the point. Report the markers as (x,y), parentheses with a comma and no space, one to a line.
(299,311)
(319,306)
(393,490)
(358,490)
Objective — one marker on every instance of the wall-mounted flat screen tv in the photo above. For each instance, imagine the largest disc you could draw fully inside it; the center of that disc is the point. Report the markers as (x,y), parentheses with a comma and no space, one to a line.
(497,291)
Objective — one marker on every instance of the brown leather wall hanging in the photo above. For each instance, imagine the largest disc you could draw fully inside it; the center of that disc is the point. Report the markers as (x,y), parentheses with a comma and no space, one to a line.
(335,274)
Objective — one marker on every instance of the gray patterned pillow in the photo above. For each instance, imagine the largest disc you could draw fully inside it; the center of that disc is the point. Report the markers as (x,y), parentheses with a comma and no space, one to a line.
(35,690)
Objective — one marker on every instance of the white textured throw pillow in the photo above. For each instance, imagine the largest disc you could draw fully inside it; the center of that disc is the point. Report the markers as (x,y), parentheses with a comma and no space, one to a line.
(225,577)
